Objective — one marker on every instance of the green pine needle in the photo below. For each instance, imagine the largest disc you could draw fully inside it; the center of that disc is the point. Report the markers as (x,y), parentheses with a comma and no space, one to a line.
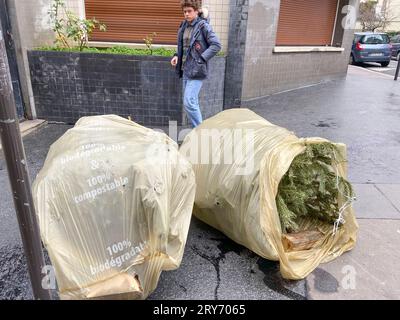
(309,188)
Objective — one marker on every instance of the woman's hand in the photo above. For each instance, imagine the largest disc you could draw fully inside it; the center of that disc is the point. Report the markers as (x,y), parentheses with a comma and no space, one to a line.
(174,61)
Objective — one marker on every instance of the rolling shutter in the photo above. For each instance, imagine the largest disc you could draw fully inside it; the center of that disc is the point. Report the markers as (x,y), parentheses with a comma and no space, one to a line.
(133,20)
(306,22)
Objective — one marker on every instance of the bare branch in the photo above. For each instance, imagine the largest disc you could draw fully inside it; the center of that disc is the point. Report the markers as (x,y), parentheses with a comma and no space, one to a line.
(375,15)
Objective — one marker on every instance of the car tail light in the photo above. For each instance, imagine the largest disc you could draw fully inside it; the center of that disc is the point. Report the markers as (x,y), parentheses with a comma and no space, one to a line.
(390,46)
(359,46)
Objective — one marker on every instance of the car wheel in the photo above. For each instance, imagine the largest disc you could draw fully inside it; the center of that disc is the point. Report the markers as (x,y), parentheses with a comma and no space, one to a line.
(351,60)
(385,64)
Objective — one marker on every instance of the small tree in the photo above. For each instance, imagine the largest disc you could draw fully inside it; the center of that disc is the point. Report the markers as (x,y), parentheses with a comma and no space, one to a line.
(149,42)
(372,16)
(69,27)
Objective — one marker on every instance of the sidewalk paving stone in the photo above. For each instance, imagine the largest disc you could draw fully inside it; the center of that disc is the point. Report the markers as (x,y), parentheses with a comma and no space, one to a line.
(369,271)
(373,204)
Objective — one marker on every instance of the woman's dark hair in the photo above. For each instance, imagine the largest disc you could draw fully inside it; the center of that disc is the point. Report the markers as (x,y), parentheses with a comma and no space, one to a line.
(195,4)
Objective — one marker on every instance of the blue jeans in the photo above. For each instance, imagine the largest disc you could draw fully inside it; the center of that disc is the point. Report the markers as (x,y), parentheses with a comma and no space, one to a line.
(191,90)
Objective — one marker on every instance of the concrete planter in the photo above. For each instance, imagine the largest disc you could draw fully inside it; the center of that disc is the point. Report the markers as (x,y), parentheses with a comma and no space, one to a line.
(69,85)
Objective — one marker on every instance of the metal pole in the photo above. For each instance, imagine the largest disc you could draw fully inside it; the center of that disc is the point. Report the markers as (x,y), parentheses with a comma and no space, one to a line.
(397,70)
(19,179)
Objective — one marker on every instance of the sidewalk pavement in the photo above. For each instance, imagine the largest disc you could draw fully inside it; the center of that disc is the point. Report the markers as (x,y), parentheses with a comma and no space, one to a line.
(364,113)
(28,126)
(370,271)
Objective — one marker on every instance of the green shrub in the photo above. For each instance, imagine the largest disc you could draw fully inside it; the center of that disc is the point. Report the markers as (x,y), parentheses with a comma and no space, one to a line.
(70,28)
(119,50)
(115,50)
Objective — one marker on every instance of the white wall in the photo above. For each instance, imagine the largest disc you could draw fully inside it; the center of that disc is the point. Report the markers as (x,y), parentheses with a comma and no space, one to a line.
(31,28)
(394,8)
(220,14)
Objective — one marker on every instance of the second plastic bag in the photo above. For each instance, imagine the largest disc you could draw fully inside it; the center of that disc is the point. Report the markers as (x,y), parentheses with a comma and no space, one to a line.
(239,159)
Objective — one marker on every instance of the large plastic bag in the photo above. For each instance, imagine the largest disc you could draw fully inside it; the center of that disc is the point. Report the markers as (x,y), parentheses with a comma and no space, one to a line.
(114,202)
(236,192)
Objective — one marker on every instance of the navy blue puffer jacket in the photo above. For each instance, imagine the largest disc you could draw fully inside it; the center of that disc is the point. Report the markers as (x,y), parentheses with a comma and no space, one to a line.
(204,44)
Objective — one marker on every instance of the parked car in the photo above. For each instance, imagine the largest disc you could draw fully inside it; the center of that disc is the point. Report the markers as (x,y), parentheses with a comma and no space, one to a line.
(371,47)
(395,41)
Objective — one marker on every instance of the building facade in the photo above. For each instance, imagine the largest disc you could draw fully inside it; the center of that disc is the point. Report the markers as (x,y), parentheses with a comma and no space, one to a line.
(282,45)
(394,25)
(271,45)
(393,14)
(393,7)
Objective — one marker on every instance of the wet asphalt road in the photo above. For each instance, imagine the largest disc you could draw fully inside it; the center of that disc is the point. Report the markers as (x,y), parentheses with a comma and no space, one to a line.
(362,111)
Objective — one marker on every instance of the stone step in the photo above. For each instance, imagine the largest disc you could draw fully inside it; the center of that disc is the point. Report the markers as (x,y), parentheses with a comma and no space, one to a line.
(28,126)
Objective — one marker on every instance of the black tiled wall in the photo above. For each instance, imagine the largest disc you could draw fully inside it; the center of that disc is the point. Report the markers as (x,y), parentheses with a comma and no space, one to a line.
(67,86)
(236,53)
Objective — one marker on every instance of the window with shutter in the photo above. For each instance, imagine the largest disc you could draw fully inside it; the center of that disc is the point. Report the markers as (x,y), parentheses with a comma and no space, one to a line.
(306,22)
(133,20)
